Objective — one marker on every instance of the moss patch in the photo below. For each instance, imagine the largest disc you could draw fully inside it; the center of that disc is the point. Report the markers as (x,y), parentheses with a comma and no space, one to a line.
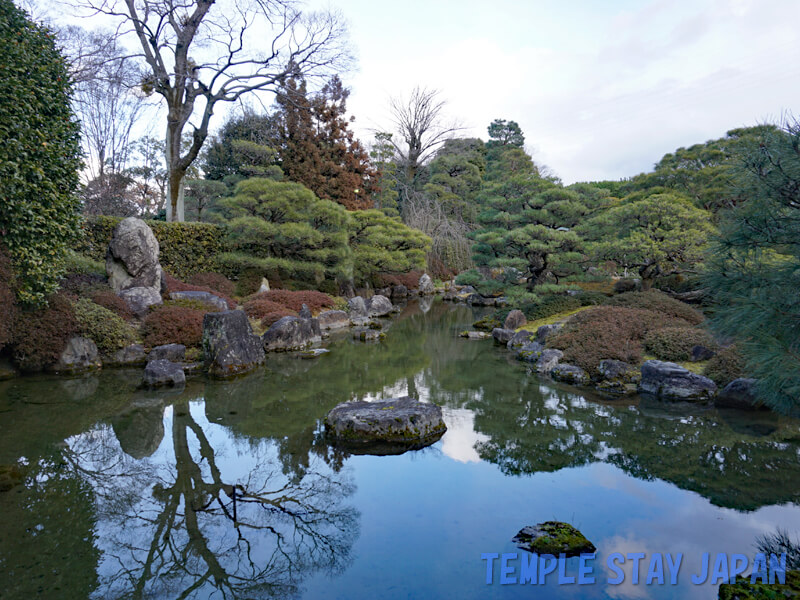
(744,590)
(534,325)
(553,537)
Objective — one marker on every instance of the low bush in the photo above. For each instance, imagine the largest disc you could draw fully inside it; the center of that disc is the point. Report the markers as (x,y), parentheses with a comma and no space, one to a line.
(315,301)
(271,318)
(259,307)
(214,281)
(102,326)
(622,286)
(727,365)
(658,302)
(410,279)
(592,298)
(608,332)
(108,299)
(41,335)
(676,343)
(248,282)
(76,263)
(548,306)
(471,277)
(83,284)
(173,325)
(176,285)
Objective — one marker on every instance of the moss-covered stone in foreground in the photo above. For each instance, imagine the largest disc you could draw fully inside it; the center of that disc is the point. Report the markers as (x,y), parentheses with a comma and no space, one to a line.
(744,590)
(553,537)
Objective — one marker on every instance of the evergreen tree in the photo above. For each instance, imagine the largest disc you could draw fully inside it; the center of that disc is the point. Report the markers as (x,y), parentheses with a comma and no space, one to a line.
(755,266)
(384,192)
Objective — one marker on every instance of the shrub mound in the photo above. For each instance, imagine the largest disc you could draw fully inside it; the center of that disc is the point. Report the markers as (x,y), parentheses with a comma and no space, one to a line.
(658,302)
(102,326)
(410,279)
(316,301)
(274,316)
(676,343)
(259,307)
(214,281)
(609,332)
(83,284)
(41,335)
(727,365)
(173,325)
(550,305)
(108,299)
(176,285)
(622,286)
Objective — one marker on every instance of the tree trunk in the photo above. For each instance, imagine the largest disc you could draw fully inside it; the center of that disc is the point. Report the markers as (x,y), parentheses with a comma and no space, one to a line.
(648,274)
(175,175)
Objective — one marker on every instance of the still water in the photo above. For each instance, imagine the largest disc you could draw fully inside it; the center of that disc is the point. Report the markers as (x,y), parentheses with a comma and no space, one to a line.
(229,490)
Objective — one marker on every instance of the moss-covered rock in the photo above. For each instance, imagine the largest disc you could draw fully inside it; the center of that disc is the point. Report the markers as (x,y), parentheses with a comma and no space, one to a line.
(744,590)
(553,537)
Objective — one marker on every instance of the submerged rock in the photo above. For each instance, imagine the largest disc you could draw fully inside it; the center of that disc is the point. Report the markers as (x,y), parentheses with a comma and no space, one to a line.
(229,345)
(553,537)
(672,382)
(739,393)
(403,421)
(515,320)
(367,334)
(475,335)
(569,374)
(315,353)
(163,373)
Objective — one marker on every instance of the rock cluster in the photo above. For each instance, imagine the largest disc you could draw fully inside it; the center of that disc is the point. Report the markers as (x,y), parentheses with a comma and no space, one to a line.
(132,265)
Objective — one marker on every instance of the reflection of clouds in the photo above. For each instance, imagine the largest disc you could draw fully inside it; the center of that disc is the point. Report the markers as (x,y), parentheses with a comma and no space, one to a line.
(625,545)
(460,438)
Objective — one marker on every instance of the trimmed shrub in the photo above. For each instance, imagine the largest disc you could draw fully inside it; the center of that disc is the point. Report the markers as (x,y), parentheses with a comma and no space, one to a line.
(315,301)
(622,286)
(109,300)
(727,365)
(676,343)
(549,306)
(41,335)
(608,332)
(658,302)
(176,285)
(259,307)
(7,299)
(185,248)
(271,318)
(214,281)
(173,325)
(410,279)
(471,277)
(102,326)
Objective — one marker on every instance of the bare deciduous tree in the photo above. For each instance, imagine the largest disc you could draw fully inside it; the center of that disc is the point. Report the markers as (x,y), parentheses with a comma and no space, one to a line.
(197,53)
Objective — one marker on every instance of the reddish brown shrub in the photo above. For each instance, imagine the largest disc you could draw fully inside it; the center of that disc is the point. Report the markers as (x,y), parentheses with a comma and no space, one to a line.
(658,302)
(176,285)
(41,335)
(108,299)
(8,308)
(272,317)
(316,301)
(439,270)
(214,281)
(410,279)
(609,332)
(259,307)
(173,325)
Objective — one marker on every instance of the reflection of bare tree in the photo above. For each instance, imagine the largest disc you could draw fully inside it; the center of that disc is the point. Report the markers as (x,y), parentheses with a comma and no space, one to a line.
(215,527)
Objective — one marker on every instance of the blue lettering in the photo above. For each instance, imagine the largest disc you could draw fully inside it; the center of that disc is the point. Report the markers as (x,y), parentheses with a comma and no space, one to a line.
(611,562)
(544,568)
(674,568)
(703,574)
(720,573)
(635,557)
(656,570)
(506,570)
(777,567)
(527,570)
(585,572)
(562,571)
(759,568)
(739,564)
(489,558)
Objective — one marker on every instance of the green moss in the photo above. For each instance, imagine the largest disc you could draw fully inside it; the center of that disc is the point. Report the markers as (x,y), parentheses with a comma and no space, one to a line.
(487,323)
(554,537)
(534,325)
(744,590)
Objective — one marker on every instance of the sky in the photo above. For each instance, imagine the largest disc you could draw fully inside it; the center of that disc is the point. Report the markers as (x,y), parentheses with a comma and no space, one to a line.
(602,89)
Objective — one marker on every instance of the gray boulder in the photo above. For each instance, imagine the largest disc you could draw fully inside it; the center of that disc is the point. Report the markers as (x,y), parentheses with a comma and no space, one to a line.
(357,307)
(672,382)
(207,298)
(229,345)
(515,320)
(140,299)
(617,377)
(171,352)
(163,373)
(475,335)
(379,306)
(333,319)
(399,291)
(530,352)
(305,312)
(403,421)
(700,353)
(569,374)
(291,333)
(425,285)
(545,331)
(132,257)
(548,360)
(129,356)
(502,336)
(79,355)
(519,339)
(739,393)
(366,334)
(478,300)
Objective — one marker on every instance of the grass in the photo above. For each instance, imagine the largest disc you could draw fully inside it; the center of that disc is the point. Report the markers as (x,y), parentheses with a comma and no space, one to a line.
(534,325)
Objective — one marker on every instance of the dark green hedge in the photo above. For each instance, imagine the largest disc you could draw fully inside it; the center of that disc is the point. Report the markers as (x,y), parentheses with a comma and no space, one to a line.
(186,248)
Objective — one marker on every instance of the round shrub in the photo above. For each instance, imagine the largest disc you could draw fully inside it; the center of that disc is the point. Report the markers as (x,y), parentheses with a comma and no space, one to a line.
(108,299)
(608,332)
(215,281)
(622,286)
(270,318)
(40,335)
(676,343)
(173,325)
(102,326)
(259,307)
(725,366)
(658,302)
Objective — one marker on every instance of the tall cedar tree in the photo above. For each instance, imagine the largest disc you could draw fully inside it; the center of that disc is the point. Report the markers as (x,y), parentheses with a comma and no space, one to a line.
(317,148)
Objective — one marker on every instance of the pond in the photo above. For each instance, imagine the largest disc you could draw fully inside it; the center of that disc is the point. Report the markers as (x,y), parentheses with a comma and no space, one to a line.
(229,489)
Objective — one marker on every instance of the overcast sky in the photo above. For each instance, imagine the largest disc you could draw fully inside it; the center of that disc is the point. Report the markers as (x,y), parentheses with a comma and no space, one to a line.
(602,89)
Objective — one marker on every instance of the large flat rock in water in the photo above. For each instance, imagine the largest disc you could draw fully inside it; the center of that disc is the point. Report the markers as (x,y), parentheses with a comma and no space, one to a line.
(388,427)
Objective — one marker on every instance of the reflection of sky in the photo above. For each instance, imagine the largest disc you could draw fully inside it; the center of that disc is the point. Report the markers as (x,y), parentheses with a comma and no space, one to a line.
(459,441)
